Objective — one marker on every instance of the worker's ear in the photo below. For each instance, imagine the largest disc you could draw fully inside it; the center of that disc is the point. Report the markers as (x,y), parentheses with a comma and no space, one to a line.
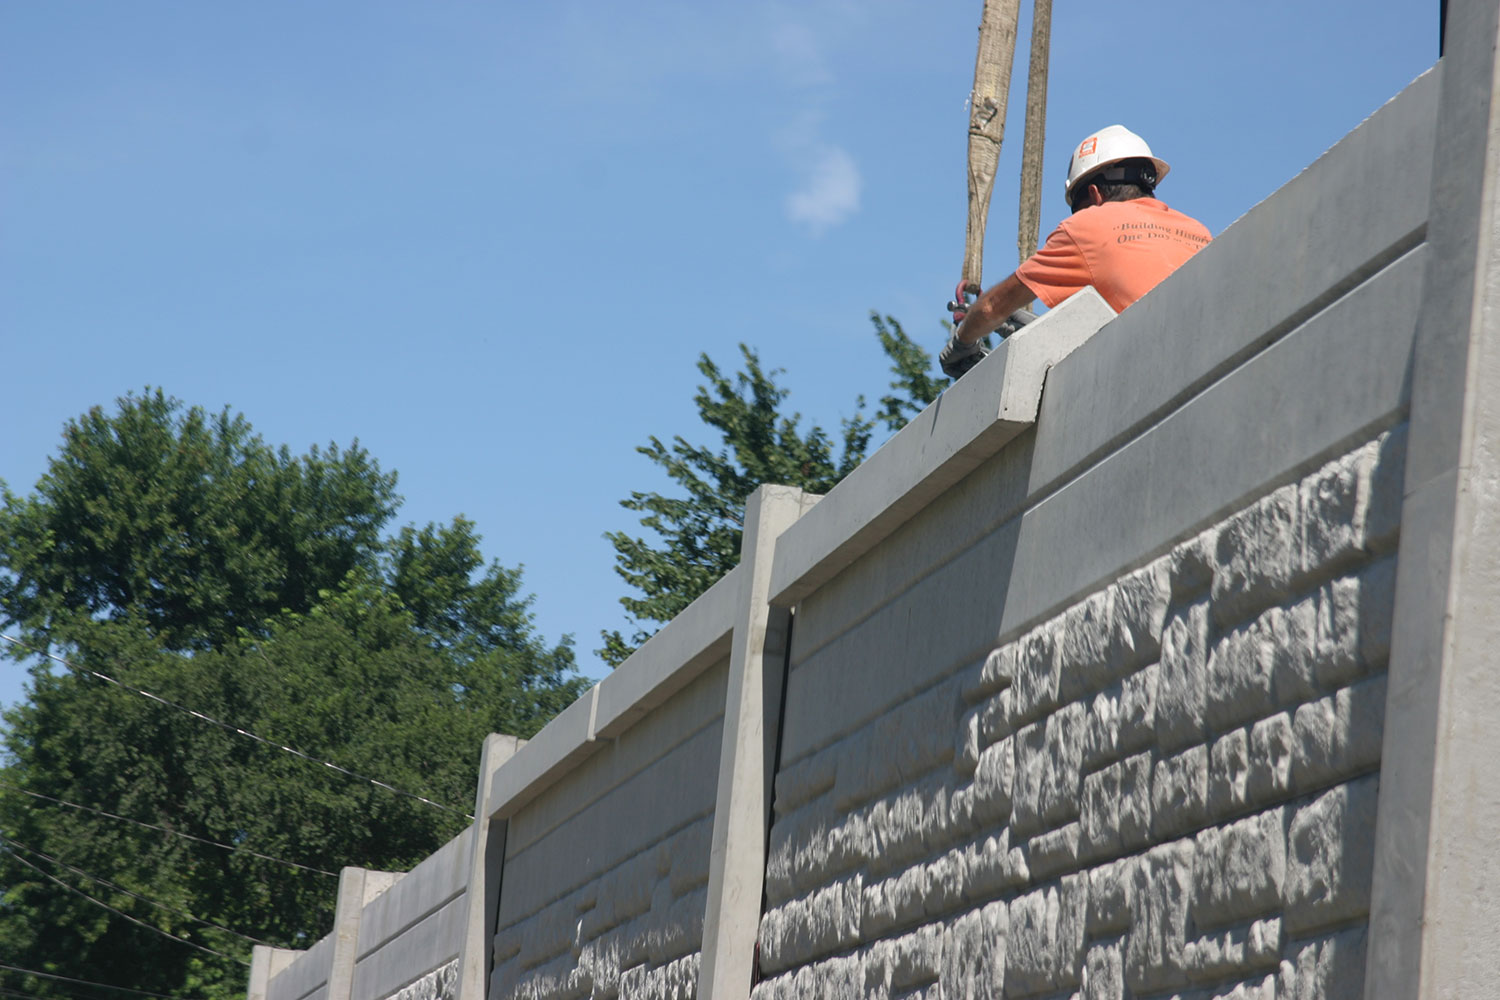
(1095,198)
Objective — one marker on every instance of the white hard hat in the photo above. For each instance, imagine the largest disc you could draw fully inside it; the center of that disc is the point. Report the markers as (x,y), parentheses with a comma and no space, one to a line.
(1106,146)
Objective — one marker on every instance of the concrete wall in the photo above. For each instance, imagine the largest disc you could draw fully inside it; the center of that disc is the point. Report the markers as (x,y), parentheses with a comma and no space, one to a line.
(590,870)
(585,914)
(1126,670)
(414,929)
(1111,707)
(1170,782)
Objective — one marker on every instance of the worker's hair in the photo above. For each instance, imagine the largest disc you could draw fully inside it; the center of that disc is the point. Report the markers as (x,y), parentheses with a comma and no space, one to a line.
(1123,181)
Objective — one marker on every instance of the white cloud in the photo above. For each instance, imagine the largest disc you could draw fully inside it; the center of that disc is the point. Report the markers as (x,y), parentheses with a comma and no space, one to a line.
(829,194)
(799,56)
(827,183)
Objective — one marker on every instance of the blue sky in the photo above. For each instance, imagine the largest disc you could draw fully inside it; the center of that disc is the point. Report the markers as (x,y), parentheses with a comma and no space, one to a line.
(489,240)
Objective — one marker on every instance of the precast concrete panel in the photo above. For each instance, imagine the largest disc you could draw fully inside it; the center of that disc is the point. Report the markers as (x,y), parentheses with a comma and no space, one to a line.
(415,926)
(429,944)
(424,890)
(307,977)
(681,717)
(606,870)
(1170,780)
(625,818)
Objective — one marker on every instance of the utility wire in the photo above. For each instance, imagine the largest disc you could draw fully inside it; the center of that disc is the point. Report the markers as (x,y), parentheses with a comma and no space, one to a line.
(122,913)
(233,729)
(120,888)
(83,982)
(24,996)
(165,829)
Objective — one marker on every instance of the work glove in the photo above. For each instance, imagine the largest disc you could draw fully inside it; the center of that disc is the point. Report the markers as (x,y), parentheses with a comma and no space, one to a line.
(1015,321)
(958,357)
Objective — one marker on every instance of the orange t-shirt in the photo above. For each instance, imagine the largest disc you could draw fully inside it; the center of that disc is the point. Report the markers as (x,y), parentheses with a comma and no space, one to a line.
(1122,248)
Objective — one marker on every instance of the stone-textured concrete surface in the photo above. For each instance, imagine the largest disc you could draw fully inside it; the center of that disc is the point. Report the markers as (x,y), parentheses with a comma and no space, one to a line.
(440,984)
(1143,845)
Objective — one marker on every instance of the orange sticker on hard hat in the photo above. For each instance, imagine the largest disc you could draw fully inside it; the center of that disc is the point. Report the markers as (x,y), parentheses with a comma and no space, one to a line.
(1089,145)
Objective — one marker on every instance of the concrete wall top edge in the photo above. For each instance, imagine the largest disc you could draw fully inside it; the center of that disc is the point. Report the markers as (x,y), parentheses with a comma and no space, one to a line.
(305,975)
(684,648)
(1428,78)
(429,944)
(1281,411)
(695,708)
(1337,222)
(1142,366)
(427,888)
(562,742)
(946,441)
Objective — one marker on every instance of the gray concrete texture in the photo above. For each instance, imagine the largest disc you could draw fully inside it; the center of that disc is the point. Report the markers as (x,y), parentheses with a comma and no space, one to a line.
(747,760)
(1137,666)
(1435,899)
(973,419)
(1171,780)
(606,871)
(416,926)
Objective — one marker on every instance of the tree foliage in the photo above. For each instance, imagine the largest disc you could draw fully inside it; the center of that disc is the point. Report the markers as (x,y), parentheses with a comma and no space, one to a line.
(187,522)
(695,534)
(179,554)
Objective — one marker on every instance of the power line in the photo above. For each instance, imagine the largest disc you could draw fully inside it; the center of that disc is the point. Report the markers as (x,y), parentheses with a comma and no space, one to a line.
(120,888)
(233,729)
(165,829)
(122,913)
(83,982)
(22,996)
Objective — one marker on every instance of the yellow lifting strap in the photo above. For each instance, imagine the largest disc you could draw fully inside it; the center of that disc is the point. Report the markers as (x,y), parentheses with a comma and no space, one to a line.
(997,50)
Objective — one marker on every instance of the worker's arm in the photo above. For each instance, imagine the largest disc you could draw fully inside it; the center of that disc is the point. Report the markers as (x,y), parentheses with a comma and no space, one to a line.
(993,308)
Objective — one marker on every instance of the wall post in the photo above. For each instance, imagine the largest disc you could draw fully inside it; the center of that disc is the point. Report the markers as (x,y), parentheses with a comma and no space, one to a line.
(486,862)
(1434,904)
(357,887)
(752,718)
(265,962)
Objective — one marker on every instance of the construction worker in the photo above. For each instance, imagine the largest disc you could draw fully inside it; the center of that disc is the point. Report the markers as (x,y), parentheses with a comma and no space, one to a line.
(1119,239)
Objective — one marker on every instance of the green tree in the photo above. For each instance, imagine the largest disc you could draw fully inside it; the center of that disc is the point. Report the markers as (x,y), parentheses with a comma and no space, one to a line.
(187,522)
(695,535)
(302,622)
